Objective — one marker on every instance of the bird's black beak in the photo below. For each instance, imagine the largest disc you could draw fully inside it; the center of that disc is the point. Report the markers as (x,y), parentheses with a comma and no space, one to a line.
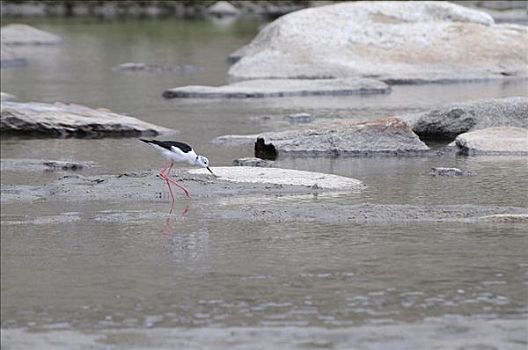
(211,171)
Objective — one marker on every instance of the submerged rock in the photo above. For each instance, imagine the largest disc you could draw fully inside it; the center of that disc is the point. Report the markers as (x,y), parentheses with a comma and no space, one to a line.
(450,172)
(450,121)
(8,58)
(501,140)
(388,136)
(506,218)
(8,164)
(278,176)
(255,162)
(70,120)
(300,118)
(223,9)
(157,68)
(396,41)
(22,34)
(282,88)
(4,96)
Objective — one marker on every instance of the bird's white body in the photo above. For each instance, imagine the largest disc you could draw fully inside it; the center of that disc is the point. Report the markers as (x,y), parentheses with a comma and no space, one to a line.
(176,155)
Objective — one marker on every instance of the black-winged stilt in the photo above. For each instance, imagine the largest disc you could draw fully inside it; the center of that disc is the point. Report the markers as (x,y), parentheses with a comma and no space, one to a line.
(177,152)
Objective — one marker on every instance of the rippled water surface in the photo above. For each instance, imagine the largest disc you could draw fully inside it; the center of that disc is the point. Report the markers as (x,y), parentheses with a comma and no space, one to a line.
(113,265)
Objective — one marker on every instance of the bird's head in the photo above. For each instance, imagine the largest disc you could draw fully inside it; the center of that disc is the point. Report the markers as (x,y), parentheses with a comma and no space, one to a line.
(203,162)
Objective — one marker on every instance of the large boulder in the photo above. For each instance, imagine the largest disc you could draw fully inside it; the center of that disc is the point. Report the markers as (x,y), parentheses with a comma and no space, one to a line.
(388,136)
(22,34)
(397,42)
(494,141)
(448,122)
(63,120)
(282,88)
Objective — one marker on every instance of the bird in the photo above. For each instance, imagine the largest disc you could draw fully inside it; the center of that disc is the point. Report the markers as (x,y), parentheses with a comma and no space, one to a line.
(176,151)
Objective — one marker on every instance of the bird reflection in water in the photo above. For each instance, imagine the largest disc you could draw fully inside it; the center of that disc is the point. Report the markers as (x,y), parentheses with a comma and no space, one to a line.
(168,225)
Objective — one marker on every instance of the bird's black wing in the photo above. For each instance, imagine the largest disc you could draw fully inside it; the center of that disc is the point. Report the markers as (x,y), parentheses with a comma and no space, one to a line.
(185,148)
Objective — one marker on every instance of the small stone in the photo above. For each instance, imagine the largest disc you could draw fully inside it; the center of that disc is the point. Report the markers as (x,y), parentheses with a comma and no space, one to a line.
(450,172)
(300,118)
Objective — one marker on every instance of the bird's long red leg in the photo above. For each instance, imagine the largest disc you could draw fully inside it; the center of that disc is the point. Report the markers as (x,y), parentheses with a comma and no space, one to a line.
(164,176)
(187,193)
(165,173)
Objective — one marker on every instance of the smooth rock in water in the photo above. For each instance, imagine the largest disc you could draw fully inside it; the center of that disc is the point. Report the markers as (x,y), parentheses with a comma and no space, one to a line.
(388,136)
(8,58)
(22,34)
(300,118)
(222,9)
(255,162)
(70,120)
(394,41)
(4,96)
(235,140)
(501,140)
(282,88)
(450,172)
(283,177)
(448,122)
(506,218)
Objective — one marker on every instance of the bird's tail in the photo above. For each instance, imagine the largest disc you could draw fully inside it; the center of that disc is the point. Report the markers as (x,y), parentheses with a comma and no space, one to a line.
(146,141)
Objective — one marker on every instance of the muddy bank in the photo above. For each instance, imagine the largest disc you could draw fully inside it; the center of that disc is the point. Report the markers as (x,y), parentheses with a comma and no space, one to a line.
(216,198)
(289,210)
(147,185)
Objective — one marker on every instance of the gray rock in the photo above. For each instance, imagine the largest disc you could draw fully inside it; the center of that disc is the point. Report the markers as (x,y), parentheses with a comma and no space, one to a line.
(64,120)
(440,171)
(388,136)
(300,118)
(22,34)
(398,42)
(446,123)
(282,88)
(8,58)
(223,8)
(255,162)
(501,140)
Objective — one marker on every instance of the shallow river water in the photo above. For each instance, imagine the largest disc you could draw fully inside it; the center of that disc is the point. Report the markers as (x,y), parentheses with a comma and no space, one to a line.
(95,280)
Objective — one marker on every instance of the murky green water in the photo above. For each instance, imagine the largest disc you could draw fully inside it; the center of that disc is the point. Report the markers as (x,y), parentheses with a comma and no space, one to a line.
(95,272)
